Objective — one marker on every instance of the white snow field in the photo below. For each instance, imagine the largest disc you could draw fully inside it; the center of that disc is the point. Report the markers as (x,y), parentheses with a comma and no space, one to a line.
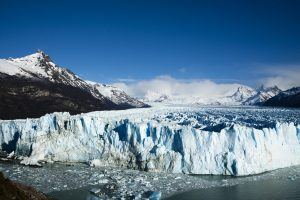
(209,140)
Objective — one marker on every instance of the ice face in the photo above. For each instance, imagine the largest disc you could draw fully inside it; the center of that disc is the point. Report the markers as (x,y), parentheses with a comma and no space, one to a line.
(231,141)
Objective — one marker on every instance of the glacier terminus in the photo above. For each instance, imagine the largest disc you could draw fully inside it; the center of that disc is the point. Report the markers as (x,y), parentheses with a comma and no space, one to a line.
(184,139)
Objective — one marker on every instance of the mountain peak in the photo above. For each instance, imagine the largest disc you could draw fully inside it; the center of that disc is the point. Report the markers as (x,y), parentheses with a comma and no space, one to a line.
(243,89)
(39,66)
(267,88)
(40,51)
(242,93)
(38,56)
(42,55)
(263,94)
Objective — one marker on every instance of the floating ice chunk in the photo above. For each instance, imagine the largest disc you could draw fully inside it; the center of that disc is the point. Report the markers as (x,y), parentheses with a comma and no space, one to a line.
(30,161)
(96,163)
(11,154)
(95,191)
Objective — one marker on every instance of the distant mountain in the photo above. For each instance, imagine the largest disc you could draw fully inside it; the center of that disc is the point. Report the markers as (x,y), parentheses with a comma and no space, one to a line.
(262,95)
(243,93)
(33,85)
(237,98)
(288,98)
(157,97)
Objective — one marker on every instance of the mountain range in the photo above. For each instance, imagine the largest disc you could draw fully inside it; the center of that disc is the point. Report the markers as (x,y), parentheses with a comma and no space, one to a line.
(244,95)
(34,85)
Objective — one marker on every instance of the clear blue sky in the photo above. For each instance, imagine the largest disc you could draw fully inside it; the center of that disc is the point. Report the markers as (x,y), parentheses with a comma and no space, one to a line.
(108,40)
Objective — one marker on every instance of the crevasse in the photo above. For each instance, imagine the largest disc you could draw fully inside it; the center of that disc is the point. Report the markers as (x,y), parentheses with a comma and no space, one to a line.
(147,144)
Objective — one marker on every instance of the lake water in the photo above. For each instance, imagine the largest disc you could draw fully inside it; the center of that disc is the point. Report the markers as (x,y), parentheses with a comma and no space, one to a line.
(266,189)
(74,182)
(263,189)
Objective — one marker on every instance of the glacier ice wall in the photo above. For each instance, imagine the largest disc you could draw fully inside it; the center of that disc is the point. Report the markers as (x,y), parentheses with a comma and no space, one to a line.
(148,144)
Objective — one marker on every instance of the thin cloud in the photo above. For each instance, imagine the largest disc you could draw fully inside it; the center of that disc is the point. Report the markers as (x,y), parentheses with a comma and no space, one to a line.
(284,77)
(125,80)
(182,70)
(167,85)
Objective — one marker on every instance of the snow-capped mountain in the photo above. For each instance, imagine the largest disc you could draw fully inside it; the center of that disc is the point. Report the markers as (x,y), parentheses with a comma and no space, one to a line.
(39,66)
(288,98)
(33,85)
(262,95)
(156,97)
(116,95)
(243,93)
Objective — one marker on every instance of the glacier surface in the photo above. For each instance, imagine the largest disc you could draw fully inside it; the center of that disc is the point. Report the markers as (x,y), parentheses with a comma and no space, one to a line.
(210,140)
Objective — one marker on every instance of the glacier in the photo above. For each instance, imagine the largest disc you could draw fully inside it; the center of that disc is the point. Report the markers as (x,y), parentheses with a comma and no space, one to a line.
(208,140)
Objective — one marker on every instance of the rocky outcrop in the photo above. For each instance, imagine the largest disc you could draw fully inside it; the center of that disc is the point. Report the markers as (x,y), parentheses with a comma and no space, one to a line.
(11,191)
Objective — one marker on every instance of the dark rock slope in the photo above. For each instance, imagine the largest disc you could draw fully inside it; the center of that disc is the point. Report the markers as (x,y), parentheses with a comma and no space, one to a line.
(288,98)
(15,191)
(25,98)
